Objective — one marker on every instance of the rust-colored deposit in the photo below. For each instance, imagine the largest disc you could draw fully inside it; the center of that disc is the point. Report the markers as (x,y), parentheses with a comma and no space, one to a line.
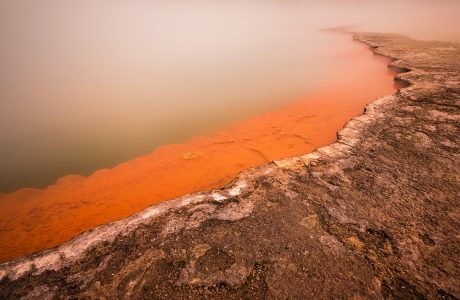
(36,219)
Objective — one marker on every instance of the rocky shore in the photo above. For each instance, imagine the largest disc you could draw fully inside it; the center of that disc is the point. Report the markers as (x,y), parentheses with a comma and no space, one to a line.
(374,215)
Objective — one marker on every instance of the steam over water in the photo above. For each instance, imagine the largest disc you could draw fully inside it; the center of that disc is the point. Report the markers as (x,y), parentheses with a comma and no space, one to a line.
(89,84)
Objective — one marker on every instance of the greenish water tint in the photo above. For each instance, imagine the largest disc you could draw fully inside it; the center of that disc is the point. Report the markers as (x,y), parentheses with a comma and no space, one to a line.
(88,85)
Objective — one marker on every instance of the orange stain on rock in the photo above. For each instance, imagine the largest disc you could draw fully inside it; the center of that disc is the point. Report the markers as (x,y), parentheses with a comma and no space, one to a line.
(36,219)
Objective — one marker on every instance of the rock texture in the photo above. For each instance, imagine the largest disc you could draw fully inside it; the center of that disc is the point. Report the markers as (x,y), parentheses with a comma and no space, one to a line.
(374,215)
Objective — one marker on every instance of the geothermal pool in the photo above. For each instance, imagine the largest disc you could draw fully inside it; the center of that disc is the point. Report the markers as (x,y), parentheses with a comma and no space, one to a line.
(34,219)
(107,107)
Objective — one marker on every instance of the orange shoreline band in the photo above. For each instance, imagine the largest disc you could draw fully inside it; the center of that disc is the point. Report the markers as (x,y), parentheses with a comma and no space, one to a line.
(37,219)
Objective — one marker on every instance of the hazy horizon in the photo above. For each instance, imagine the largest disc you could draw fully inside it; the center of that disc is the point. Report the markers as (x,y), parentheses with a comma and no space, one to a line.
(91,84)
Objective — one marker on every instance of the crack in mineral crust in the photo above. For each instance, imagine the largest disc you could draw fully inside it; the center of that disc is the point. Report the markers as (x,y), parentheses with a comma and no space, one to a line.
(374,215)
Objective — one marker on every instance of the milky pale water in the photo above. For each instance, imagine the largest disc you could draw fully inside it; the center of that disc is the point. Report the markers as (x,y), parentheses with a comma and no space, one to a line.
(89,85)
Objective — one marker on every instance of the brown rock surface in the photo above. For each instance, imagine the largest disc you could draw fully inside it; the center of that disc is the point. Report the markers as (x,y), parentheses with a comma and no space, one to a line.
(374,215)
